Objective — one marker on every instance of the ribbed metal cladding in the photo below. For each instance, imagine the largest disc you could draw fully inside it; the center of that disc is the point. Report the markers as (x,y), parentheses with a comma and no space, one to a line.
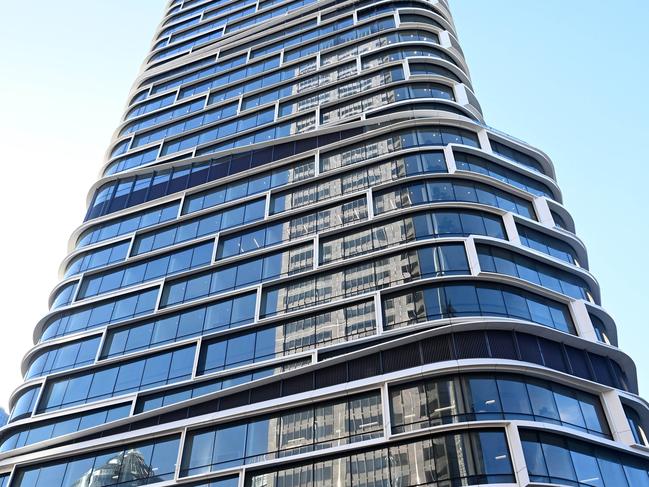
(308,261)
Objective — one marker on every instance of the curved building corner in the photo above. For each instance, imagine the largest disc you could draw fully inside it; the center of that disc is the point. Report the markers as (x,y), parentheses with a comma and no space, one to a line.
(307,261)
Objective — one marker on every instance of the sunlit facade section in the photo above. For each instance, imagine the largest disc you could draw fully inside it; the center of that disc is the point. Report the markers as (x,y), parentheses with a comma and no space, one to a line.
(309,262)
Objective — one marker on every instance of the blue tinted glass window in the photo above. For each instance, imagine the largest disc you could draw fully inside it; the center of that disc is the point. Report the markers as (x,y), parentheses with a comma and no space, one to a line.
(155,456)
(546,244)
(475,397)
(516,155)
(365,277)
(97,258)
(64,295)
(473,163)
(128,224)
(146,270)
(64,357)
(201,388)
(449,190)
(35,432)
(555,459)
(115,380)
(464,458)
(151,105)
(198,227)
(25,404)
(238,275)
(504,261)
(637,428)
(477,299)
(282,434)
(132,161)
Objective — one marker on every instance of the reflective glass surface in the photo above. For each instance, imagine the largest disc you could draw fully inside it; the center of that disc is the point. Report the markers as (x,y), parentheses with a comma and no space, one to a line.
(146,270)
(502,261)
(291,432)
(177,394)
(168,328)
(545,243)
(64,295)
(447,190)
(384,97)
(64,357)
(601,330)
(423,225)
(473,163)
(98,258)
(483,397)
(115,380)
(294,336)
(516,155)
(220,482)
(554,459)
(396,54)
(100,313)
(473,299)
(340,91)
(236,276)
(358,179)
(248,186)
(637,426)
(208,224)
(322,220)
(425,262)
(466,458)
(128,224)
(24,403)
(45,430)
(143,463)
(386,144)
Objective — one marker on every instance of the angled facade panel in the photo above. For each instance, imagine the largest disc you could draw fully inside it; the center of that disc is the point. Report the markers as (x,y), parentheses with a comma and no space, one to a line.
(308,261)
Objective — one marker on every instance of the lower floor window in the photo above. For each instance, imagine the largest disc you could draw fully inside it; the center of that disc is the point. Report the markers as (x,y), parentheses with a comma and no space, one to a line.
(557,460)
(465,458)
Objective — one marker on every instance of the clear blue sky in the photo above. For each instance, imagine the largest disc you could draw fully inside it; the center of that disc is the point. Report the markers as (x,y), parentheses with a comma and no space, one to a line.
(569,76)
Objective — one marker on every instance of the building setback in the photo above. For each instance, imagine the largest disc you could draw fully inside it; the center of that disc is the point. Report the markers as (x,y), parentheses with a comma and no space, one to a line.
(308,262)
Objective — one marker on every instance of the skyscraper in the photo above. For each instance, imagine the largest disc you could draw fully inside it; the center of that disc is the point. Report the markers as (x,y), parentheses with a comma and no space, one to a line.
(308,261)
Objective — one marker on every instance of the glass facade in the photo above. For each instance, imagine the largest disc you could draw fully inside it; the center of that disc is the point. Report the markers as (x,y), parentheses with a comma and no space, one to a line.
(476,397)
(465,458)
(278,436)
(554,459)
(137,464)
(308,262)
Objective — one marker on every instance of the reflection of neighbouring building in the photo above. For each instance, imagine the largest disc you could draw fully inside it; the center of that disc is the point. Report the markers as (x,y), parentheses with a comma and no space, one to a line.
(120,468)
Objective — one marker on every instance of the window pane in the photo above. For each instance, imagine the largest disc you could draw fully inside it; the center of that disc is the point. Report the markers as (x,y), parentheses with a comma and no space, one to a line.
(543,403)
(229,446)
(483,399)
(494,454)
(513,395)
(558,458)
(586,467)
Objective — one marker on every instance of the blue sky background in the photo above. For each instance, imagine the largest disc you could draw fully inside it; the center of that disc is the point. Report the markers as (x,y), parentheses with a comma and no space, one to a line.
(568,76)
